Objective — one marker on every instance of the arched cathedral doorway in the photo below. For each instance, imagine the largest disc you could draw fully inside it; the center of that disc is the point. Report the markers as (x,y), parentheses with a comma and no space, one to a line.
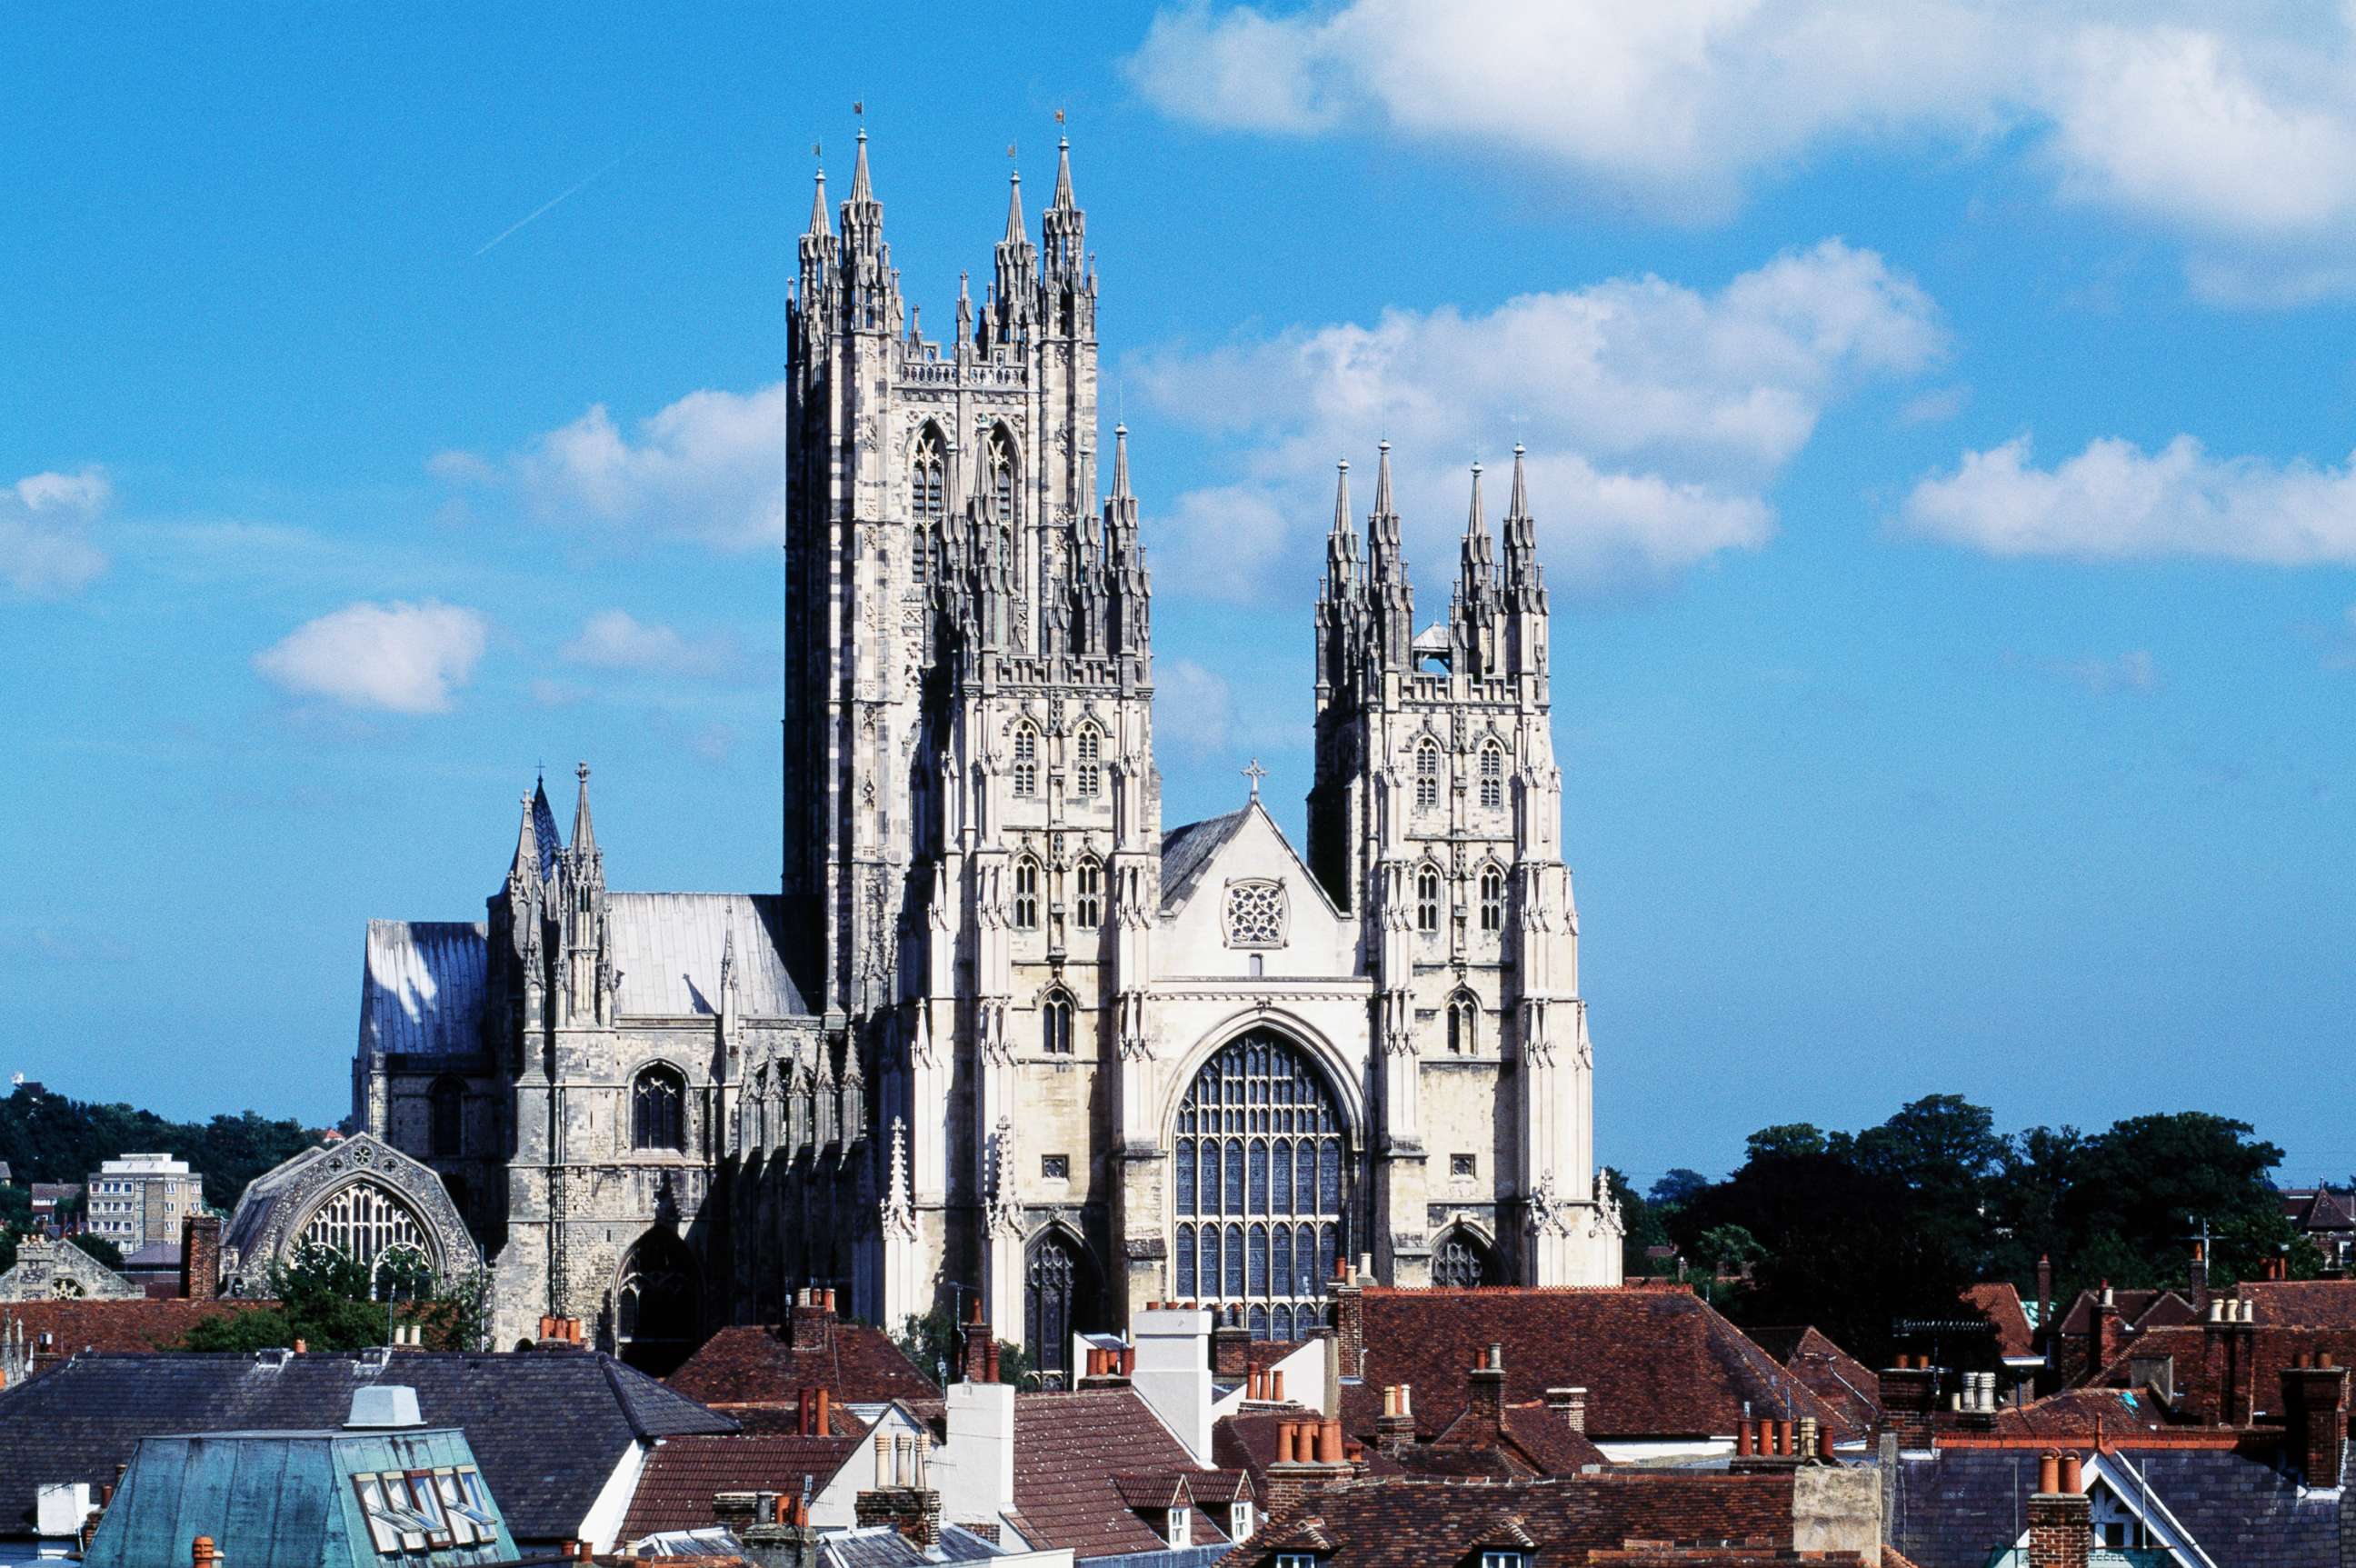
(657,1304)
(1259,1186)
(1058,1296)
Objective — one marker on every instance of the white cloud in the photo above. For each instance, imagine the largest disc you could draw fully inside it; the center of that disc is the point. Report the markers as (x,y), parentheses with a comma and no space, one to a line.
(708,468)
(45,546)
(2115,500)
(1654,414)
(2227,124)
(615,639)
(402,657)
(1936,406)
(1192,708)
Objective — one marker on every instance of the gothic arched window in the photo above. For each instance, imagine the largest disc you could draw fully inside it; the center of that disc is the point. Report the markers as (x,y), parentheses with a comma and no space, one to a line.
(447,1116)
(1492,898)
(1257,1199)
(1463,1025)
(998,466)
(1026,760)
(1088,893)
(1088,763)
(928,501)
(1026,895)
(658,1109)
(1427,772)
(1057,1299)
(1493,775)
(1460,1262)
(656,1304)
(1056,1023)
(1427,898)
(364,1220)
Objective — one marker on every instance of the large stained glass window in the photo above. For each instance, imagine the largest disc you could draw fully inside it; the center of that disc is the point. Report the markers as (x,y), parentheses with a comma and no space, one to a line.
(1257,1195)
(363,1220)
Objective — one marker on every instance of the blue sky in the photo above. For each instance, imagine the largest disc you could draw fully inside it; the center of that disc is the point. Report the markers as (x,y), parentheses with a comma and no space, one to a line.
(1940,420)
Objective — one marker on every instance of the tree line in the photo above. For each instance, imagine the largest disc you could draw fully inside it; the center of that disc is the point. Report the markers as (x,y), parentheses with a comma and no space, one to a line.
(1859,1232)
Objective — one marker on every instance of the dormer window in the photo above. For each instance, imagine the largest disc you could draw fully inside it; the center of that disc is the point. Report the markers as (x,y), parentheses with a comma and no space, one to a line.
(1180,1529)
(1490,1559)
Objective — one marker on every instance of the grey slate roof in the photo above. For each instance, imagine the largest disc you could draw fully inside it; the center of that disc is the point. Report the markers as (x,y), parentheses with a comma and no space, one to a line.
(547,1427)
(1187,849)
(1955,1508)
(880,1546)
(667,948)
(422,988)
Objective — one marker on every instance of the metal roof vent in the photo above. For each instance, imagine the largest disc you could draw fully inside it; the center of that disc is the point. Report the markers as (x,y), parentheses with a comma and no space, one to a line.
(380,1405)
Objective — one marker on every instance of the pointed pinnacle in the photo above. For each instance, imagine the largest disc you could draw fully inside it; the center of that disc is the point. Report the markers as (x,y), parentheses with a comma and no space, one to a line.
(1063,202)
(860,190)
(1120,461)
(1475,524)
(1382,481)
(1341,496)
(818,223)
(527,854)
(1015,235)
(583,836)
(1518,503)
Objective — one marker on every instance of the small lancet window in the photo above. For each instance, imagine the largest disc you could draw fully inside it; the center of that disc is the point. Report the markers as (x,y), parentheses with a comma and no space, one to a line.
(1087,895)
(927,503)
(1492,899)
(1427,772)
(999,463)
(1026,895)
(1026,761)
(1427,898)
(1463,1025)
(1056,1024)
(1087,771)
(1492,776)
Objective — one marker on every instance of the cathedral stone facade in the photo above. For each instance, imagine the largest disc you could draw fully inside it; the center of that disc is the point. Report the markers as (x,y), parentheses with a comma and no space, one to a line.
(999,1031)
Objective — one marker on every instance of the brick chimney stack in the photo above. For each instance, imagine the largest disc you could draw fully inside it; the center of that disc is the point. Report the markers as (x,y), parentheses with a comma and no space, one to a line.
(1395,1428)
(2229,1337)
(2315,1419)
(1484,1390)
(1308,1455)
(1349,1294)
(2045,1294)
(1570,1405)
(1909,1393)
(2104,1338)
(978,1362)
(904,1496)
(2061,1517)
(1231,1346)
(2197,1277)
(200,1257)
(812,1326)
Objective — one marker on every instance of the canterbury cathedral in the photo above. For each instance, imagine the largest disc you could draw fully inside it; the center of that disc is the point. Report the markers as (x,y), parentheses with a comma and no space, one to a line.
(1000,1030)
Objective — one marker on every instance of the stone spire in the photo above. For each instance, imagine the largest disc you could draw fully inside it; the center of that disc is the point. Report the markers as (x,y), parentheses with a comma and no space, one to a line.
(524,872)
(1017,233)
(1341,539)
(1129,591)
(861,188)
(1064,202)
(819,221)
(1475,610)
(1524,587)
(1018,268)
(1063,231)
(584,836)
(1392,598)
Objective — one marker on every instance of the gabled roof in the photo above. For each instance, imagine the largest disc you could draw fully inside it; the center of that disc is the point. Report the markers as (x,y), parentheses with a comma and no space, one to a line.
(2271,1350)
(683,1474)
(1397,1522)
(667,947)
(421,987)
(1070,1454)
(1656,1363)
(2137,1309)
(1831,1373)
(80,1421)
(760,1365)
(2320,1208)
(1999,1302)
(1187,849)
(2302,1304)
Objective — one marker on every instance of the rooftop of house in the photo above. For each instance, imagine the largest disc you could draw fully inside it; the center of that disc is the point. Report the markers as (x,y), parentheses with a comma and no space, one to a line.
(683,1474)
(2302,1304)
(1398,1522)
(1079,1458)
(1998,1301)
(2139,1310)
(2315,1209)
(73,1325)
(301,1499)
(79,1421)
(1954,1508)
(772,1364)
(1656,1363)
(1831,1373)
(2197,1377)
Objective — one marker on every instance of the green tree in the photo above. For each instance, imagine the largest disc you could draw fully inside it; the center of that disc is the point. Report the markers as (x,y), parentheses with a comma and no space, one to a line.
(1642,1227)
(331,1301)
(1675,1188)
(936,1341)
(99,1247)
(1790,1140)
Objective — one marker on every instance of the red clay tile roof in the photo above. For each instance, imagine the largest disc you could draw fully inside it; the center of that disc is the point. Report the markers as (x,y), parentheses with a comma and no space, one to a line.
(2080,1413)
(1544,1439)
(1656,1363)
(138,1323)
(1831,1373)
(1070,1454)
(2135,1307)
(1998,1301)
(682,1474)
(2273,1349)
(760,1365)
(1398,1523)
(2302,1304)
